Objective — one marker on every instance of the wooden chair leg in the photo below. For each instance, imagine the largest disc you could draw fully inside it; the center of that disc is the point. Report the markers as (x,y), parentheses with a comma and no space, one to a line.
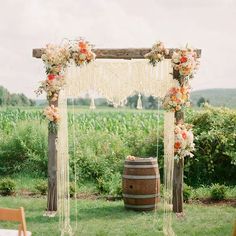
(234,229)
(23,222)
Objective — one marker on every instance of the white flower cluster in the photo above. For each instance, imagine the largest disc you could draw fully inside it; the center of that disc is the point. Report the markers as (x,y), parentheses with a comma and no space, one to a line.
(157,53)
(184,145)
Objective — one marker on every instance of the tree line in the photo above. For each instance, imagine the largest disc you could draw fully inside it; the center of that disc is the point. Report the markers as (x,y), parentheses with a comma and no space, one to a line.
(14,99)
(19,99)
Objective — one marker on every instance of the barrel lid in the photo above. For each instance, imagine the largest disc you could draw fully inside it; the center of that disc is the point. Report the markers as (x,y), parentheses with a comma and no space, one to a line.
(142,160)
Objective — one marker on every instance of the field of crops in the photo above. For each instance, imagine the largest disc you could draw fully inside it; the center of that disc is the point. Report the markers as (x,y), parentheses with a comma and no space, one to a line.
(104,137)
(112,120)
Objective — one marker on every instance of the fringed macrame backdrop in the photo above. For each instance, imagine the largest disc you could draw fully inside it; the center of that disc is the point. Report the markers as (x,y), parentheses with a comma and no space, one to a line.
(63,194)
(169,125)
(115,80)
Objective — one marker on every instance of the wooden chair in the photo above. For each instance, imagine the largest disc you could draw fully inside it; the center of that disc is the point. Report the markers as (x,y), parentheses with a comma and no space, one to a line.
(17,215)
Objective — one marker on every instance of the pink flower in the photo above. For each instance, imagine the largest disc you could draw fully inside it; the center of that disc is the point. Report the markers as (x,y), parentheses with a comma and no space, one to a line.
(184,135)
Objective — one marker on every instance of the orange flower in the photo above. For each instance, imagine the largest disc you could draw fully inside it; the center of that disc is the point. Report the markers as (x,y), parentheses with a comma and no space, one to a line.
(82,45)
(177,145)
(183,90)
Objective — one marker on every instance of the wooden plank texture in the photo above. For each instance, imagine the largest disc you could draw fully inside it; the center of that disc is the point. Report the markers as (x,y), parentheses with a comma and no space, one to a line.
(52,169)
(117,53)
(178,166)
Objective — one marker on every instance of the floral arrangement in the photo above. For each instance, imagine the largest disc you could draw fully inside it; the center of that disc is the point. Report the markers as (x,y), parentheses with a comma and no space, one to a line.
(56,59)
(157,53)
(185,62)
(176,99)
(52,114)
(82,53)
(184,145)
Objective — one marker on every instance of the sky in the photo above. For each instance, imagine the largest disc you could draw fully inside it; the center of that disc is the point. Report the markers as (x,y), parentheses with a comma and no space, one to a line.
(206,24)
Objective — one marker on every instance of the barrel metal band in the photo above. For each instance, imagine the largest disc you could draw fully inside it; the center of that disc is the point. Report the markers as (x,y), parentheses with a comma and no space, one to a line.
(141,176)
(140,206)
(140,166)
(141,196)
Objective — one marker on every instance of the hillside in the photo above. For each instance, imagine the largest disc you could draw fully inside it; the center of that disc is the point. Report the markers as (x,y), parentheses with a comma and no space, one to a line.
(217,97)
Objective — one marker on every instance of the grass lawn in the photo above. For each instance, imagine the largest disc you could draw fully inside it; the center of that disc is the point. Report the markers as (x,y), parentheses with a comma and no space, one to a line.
(103,218)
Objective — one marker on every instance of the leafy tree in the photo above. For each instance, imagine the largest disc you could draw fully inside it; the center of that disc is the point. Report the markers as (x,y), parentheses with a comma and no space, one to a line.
(14,99)
(201,101)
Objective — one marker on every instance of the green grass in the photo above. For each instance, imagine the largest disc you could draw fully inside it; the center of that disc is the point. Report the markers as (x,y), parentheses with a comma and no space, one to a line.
(24,182)
(103,218)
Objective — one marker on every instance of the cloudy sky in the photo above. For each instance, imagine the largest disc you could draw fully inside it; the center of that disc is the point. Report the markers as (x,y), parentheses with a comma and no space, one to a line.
(206,24)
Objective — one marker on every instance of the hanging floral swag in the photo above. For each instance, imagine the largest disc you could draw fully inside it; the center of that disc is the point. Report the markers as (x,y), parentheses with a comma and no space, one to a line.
(56,58)
(185,62)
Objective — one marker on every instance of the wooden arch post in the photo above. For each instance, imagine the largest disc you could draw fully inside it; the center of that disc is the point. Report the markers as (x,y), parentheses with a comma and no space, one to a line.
(128,54)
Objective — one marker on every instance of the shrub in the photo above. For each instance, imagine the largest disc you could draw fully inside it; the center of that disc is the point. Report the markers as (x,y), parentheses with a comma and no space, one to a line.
(187,193)
(98,152)
(7,186)
(215,140)
(24,149)
(110,183)
(42,187)
(72,189)
(218,192)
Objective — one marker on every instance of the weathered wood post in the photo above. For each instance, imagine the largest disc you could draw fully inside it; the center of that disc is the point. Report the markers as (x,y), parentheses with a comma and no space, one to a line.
(52,167)
(178,165)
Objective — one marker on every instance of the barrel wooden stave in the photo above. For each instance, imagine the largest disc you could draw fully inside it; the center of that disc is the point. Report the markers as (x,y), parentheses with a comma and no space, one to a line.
(141,184)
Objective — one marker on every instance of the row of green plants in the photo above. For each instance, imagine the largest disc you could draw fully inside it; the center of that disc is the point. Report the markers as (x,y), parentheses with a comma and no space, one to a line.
(216,191)
(8,187)
(103,140)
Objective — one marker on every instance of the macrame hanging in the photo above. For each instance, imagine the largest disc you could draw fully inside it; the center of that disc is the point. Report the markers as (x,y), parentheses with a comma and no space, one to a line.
(92,104)
(139,103)
(169,126)
(118,79)
(63,194)
(115,80)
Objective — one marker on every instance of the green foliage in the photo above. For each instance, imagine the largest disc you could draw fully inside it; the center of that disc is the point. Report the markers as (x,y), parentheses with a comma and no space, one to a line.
(24,150)
(201,101)
(104,138)
(14,99)
(187,193)
(215,141)
(97,152)
(72,189)
(218,192)
(110,183)
(42,187)
(7,186)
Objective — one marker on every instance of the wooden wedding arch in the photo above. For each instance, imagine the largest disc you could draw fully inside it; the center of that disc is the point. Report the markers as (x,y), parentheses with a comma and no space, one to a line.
(128,54)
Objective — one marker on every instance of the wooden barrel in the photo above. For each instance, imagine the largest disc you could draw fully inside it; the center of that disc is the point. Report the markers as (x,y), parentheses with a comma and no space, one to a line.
(141,184)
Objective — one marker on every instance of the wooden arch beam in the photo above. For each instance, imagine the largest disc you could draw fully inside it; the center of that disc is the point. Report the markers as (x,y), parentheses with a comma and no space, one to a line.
(118,53)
